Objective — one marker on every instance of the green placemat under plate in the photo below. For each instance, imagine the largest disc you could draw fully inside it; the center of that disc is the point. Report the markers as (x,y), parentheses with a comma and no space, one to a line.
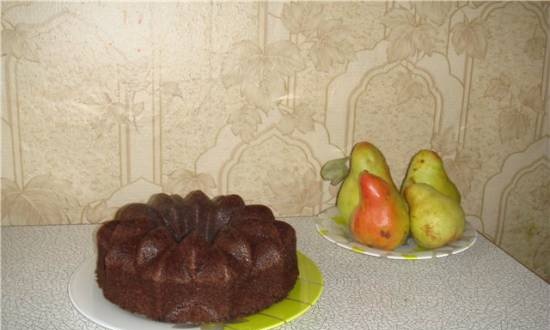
(306,292)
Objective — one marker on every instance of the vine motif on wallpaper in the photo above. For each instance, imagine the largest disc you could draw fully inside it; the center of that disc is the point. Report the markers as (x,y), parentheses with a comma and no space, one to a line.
(414,31)
(417,30)
(265,78)
(262,73)
(115,94)
(259,71)
(515,105)
(414,34)
(43,198)
(116,98)
(265,75)
(18,43)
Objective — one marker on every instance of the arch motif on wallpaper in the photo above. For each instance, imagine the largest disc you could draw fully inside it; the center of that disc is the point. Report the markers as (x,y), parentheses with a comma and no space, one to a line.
(229,166)
(219,160)
(458,61)
(448,73)
(352,110)
(461,65)
(506,194)
(498,187)
(433,70)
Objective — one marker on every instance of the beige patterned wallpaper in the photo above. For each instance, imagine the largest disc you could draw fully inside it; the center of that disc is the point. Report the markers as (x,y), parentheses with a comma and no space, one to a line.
(106,103)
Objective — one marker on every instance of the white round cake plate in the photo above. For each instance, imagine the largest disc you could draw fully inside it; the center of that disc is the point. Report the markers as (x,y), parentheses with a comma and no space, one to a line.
(340,235)
(88,299)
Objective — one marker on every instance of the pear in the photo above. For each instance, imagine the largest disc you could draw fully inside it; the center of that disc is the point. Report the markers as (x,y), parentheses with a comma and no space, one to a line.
(435,218)
(364,156)
(427,167)
(382,218)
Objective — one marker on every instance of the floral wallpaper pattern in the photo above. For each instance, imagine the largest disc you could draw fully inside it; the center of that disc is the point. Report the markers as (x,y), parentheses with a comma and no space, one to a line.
(106,103)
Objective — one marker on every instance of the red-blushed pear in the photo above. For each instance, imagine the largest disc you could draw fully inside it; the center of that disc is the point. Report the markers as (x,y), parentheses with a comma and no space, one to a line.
(382,218)
(364,156)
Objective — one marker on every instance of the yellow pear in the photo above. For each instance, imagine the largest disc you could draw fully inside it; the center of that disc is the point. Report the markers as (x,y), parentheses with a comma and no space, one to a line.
(427,167)
(436,219)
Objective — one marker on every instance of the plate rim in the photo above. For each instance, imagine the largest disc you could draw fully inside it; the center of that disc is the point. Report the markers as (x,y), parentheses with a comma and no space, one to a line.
(360,248)
(87,269)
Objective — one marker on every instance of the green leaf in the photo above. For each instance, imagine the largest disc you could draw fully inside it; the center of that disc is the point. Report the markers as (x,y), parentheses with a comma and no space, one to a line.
(335,170)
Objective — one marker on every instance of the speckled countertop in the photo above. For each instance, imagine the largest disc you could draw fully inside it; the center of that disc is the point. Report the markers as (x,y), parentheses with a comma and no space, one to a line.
(481,288)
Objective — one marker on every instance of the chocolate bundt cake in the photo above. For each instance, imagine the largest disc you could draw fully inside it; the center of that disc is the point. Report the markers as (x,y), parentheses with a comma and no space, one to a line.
(195,260)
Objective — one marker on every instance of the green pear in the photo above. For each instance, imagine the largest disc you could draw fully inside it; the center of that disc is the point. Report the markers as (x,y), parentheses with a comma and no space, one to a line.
(364,156)
(427,167)
(436,219)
